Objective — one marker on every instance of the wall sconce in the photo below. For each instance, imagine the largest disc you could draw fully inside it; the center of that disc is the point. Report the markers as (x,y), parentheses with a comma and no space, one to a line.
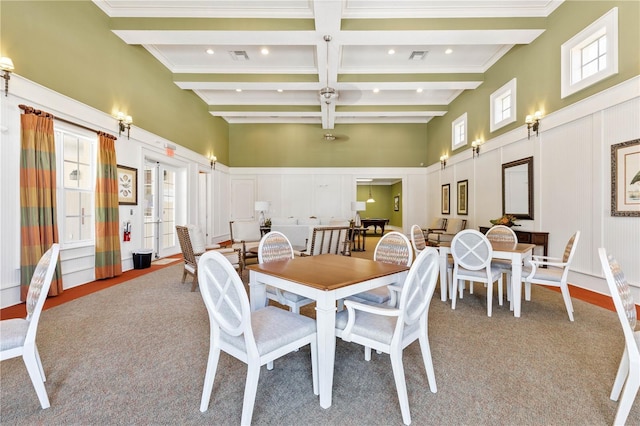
(533,123)
(475,147)
(6,65)
(443,161)
(212,161)
(124,123)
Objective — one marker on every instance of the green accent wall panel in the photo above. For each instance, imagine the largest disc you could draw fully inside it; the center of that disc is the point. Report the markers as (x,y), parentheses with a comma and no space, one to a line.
(302,145)
(68,47)
(537,69)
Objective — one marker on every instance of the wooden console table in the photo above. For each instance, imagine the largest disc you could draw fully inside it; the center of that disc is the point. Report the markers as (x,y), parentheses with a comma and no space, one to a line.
(530,237)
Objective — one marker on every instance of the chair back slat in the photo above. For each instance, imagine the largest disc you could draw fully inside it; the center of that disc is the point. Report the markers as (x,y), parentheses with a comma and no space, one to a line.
(419,286)
(273,247)
(224,294)
(471,249)
(502,234)
(185,245)
(395,248)
(417,239)
(330,240)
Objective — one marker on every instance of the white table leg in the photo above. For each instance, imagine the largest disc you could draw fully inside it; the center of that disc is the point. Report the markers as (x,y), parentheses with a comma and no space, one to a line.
(257,292)
(516,283)
(326,324)
(444,253)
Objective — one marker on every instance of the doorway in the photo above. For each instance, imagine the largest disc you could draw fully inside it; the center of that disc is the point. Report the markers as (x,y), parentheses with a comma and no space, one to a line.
(160,182)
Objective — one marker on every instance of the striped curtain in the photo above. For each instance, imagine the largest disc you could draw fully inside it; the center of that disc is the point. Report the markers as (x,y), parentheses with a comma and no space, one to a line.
(108,259)
(38,226)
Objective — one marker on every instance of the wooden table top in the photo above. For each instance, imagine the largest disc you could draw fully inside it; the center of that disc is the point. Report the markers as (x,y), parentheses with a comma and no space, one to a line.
(328,271)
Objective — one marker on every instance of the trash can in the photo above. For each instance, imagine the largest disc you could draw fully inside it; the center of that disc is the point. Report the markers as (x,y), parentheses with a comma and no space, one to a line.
(142,258)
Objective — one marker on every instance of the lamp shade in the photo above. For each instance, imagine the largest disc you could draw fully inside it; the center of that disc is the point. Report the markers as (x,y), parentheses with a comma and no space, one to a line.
(261,206)
(358,206)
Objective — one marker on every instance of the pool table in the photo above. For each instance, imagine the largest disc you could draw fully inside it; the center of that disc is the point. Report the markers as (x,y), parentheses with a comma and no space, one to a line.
(375,223)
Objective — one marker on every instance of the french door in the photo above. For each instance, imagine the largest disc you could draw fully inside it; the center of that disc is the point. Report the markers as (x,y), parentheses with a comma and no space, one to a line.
(160,182)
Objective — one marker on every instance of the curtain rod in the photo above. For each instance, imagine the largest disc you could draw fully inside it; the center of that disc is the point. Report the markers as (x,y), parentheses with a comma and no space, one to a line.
(32,110)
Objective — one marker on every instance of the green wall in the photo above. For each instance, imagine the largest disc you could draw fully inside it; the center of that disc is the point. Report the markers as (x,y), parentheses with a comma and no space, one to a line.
(302,145)
(68,47)
(537,69)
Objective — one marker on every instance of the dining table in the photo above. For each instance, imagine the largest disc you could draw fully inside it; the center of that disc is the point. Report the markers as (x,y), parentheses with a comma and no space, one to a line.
(516,253)
(325,278)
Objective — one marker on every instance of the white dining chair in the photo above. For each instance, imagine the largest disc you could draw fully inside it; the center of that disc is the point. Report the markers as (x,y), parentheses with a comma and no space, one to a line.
(502,234)
(472,253)
(18,335)
(552,271)
(389,329)
(393,247)
(628,375)
(255,338)
(274,247)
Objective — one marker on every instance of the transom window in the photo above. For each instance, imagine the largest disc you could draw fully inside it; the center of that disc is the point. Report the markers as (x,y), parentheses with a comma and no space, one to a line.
(591,55)
(459,132)
(503,106)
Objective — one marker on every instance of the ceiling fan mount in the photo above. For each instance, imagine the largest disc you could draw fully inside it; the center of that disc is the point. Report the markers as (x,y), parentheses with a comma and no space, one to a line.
(327,93)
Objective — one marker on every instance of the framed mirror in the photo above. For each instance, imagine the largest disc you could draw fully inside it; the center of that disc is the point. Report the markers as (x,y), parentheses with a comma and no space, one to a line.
(517,188)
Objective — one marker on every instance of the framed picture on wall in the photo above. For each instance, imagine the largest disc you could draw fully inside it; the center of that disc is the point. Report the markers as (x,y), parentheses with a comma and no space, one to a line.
(396,203)
(445,199)
(127,186)
(463,197)
(625,179)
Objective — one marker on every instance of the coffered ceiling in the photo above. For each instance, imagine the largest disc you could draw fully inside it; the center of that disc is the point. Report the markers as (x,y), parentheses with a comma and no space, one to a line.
(375,61)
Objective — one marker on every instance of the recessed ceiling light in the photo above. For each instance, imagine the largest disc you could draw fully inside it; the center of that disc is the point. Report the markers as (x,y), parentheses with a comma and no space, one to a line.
(391,52)
(209,51)
(264,51)
(419,90)
(448,51)
(238,90)
(279,90)
(376,90)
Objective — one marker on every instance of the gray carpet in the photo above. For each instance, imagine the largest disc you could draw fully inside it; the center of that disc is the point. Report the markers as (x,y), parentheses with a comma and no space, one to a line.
(136,354)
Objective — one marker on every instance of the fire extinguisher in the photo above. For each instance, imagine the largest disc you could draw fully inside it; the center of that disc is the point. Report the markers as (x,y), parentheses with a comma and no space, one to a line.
(127,231)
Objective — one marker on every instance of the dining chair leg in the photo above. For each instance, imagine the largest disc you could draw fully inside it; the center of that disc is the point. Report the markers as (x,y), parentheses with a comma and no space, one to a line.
(428,363)
(250,390)
(401,385)
(621,376)
(210,375)
(31,362)
(567,300)
(314,365)
(628,396)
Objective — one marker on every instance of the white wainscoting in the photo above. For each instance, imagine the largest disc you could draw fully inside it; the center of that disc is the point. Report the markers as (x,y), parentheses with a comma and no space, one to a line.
(572,178)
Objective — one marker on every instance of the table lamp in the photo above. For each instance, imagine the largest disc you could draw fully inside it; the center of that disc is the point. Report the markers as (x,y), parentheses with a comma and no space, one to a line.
(358,206)
(261,206)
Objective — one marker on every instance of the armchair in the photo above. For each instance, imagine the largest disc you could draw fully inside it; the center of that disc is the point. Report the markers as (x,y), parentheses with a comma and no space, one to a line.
(245,236)
(328,240)
(191,252)
(453,227)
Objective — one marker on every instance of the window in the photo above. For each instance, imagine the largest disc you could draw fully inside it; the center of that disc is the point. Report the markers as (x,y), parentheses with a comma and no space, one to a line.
(591,55)
(459,132)
(76,197)
(503,106)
